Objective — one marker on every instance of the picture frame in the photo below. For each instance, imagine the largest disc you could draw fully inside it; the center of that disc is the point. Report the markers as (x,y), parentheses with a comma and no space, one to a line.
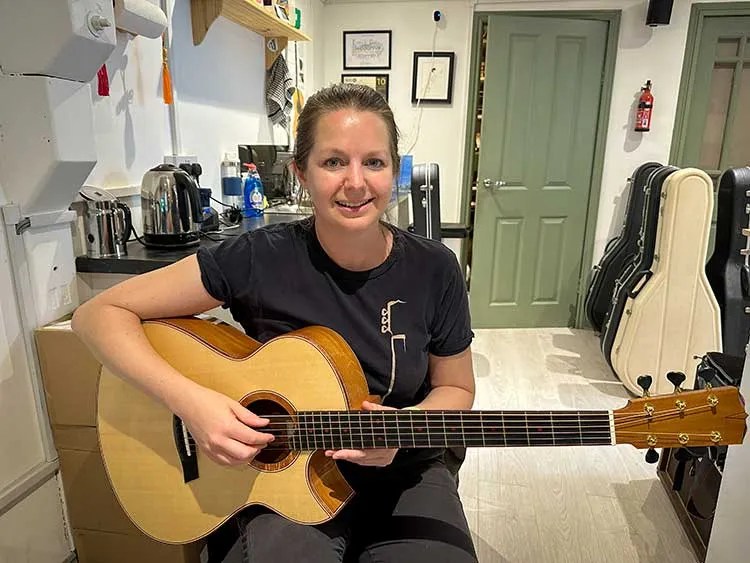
(432,77)
(367,50)
(378,82)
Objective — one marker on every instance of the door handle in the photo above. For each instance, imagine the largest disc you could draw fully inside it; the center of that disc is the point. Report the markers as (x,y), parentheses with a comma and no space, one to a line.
(489,184)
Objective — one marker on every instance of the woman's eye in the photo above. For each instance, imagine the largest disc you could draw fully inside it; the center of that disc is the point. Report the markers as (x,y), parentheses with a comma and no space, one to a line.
(375,163)
(333,162)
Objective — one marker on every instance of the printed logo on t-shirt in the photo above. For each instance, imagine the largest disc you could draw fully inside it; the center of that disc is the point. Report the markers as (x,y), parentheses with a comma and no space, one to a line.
(386,327)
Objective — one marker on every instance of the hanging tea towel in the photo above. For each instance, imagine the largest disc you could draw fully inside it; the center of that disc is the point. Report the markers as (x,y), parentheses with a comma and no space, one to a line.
(279,91)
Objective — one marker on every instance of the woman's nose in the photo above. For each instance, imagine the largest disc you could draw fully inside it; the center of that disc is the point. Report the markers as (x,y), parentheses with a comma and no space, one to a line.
(355,176)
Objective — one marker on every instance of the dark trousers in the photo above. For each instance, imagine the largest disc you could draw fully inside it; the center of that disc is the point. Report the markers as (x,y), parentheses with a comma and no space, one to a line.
(409,514)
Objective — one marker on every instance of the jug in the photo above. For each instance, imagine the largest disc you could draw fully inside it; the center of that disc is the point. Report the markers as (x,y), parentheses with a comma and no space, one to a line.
(107,224)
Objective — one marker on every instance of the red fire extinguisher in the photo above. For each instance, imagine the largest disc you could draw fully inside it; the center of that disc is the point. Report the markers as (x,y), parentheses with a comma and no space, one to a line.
(645,106)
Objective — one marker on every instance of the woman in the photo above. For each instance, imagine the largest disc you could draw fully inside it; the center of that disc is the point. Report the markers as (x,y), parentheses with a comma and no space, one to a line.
(398,299)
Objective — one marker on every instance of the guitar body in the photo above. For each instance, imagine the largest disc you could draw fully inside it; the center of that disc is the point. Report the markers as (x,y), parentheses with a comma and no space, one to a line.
(619,251)
(726,270)
(309,369)
(674,316)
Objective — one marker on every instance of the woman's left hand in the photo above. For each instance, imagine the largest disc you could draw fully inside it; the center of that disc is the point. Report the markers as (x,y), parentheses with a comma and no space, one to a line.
(378,457)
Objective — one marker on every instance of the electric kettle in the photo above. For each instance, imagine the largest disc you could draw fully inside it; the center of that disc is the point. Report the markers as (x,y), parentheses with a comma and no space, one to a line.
(170,204)
(107,224)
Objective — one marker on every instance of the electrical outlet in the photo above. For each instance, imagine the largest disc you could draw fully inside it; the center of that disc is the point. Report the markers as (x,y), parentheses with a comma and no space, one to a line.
(177,159)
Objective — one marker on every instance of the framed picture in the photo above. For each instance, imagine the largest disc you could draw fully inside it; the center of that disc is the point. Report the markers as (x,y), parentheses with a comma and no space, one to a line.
(378,82)
(432,77)
(367,49)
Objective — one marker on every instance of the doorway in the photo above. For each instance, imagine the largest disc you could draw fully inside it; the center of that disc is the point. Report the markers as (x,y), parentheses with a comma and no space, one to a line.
(539,116)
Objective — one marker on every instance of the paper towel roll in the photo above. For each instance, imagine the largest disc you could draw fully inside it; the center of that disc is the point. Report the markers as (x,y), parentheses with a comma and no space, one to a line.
(140,17)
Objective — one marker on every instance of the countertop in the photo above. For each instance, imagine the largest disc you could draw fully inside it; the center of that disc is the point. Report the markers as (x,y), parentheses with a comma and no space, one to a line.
(141,259)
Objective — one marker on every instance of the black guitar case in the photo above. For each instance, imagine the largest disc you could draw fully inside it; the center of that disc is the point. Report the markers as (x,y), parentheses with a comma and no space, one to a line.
(619,251)
(727,270)
(637,271)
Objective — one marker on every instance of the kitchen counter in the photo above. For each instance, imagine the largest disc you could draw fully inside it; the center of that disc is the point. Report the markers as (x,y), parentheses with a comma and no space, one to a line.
(141,259)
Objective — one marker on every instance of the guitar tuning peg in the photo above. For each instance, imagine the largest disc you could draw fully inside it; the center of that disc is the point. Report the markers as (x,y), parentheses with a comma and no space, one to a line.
(652,456)
(706,373)
(676,378)
(644,382)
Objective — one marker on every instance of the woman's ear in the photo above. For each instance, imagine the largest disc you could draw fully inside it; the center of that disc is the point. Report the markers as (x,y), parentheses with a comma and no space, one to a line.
(299,173)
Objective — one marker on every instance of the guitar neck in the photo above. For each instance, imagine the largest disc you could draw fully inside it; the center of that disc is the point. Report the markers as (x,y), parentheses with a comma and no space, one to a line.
(312,430)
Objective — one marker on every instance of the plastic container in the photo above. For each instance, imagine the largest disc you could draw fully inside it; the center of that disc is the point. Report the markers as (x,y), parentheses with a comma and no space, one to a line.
(254,199)
(231,183)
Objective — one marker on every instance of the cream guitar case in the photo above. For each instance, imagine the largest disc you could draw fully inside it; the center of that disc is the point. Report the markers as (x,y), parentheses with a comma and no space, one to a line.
(638,269)
(674,316)
(728,270)
(619,251)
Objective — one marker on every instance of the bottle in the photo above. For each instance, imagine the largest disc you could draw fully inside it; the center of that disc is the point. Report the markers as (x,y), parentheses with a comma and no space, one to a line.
(231,183)
(253,193)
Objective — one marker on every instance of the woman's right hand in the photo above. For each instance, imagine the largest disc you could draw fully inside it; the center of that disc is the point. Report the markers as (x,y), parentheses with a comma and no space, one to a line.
(221,427)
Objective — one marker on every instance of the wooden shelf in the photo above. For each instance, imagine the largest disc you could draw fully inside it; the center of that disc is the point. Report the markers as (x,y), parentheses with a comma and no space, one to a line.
(247,13)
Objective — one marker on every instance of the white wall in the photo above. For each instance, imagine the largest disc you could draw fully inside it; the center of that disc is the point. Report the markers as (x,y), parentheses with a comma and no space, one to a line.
(643,53)
(441,134)
(218,90)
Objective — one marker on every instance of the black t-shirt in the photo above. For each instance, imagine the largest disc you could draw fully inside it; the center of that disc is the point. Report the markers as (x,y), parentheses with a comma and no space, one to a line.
(279,278)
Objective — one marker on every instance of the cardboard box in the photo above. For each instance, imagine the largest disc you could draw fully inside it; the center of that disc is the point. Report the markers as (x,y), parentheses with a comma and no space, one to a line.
(106,547)
(92,504)
(70,374)
(102,532)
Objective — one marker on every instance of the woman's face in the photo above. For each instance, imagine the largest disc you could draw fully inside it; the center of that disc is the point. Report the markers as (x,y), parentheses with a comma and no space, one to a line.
(349,172)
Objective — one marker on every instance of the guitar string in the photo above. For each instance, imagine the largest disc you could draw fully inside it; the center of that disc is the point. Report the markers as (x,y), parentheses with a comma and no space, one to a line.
(622,418)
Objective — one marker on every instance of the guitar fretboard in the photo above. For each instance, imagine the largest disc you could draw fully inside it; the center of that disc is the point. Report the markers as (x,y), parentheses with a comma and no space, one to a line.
(313,430)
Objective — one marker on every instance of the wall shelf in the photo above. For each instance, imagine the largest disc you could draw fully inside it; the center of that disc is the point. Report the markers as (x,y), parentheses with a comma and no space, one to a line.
(247,13)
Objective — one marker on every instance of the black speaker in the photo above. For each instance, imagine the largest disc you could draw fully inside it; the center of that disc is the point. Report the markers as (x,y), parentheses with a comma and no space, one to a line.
(659,12)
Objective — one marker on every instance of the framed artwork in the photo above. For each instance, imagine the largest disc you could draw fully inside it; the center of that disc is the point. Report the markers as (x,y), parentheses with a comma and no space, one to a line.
(378,82)
(367,49)
(432,77)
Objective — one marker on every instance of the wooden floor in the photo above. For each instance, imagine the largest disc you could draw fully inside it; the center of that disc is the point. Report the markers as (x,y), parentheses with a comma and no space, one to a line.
(566,504)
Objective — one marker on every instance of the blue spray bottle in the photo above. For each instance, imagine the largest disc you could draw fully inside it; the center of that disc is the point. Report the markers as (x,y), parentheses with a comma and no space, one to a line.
(252,192)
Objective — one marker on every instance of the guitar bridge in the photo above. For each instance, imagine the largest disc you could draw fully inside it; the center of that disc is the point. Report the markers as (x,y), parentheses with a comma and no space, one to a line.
(186,449)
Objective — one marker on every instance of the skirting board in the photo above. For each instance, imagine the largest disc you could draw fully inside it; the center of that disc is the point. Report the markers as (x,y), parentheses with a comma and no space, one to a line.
(26,484)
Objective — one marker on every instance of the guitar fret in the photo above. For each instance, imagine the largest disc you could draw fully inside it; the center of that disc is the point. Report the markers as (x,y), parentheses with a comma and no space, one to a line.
(445,429)
(411,422)
(351,434)
(526,424)
(361,443)
(552,427)
(481,424)
(463,434)
(385,429)
(427,430)
(398,428)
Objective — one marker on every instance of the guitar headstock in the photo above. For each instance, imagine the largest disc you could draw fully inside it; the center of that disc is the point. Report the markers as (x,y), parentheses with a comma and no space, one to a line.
(709,417)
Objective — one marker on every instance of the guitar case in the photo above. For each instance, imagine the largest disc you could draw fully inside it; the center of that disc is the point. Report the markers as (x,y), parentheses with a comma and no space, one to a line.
(619,250)
(728,270)
(673,317)
(637,270)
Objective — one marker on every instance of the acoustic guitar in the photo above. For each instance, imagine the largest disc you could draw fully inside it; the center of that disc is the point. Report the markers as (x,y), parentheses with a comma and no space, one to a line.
(311,386)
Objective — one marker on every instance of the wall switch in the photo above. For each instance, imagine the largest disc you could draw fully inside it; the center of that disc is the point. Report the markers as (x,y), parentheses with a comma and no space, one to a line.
(177,159)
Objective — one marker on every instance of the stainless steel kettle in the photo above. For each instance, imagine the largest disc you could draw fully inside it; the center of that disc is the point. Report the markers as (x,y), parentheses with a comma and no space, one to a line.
(107,224)
(170,204)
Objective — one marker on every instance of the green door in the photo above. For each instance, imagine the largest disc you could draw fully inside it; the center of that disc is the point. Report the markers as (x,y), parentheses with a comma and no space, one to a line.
(716,119)
(542,92)
(717,131)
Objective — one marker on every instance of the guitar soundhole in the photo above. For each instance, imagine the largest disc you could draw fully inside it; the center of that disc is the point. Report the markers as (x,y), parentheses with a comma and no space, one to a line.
(277,454)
